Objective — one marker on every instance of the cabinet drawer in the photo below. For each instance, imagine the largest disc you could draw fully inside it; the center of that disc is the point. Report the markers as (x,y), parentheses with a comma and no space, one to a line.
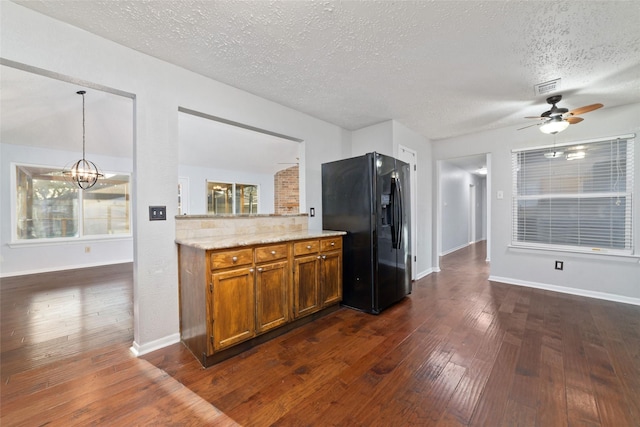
(270,253)
(228,259)
(330,244)
(306,247)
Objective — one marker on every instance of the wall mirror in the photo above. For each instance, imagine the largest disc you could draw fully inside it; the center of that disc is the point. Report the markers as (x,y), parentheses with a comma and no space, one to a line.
(231,168)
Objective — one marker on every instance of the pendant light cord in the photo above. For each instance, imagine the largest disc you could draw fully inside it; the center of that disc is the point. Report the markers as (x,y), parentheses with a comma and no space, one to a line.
(82,92)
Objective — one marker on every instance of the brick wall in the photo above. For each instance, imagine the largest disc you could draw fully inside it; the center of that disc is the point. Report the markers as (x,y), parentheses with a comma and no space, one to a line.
(286,189)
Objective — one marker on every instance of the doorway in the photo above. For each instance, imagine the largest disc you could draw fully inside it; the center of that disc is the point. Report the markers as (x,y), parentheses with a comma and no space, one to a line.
(463,208)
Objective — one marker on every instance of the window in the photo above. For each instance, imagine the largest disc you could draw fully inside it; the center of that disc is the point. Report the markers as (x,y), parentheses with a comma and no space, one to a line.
(227,198)
(48,207)
(575,197)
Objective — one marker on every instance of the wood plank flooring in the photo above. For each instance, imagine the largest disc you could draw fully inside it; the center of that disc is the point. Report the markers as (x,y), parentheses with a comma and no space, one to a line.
(460,351)
(65,358)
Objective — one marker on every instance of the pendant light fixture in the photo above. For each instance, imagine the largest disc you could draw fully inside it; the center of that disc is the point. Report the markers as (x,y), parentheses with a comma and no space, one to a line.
(83,173)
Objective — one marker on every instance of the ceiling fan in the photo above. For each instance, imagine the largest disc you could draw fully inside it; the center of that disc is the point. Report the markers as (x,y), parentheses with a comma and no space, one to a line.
(558,119)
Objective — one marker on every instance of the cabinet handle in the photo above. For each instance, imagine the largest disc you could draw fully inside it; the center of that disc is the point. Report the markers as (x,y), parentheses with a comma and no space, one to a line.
(273,252)
(324,257)
(318,256)
(234,259)
(333,243)
(308,246)
(251,270)
(260,269)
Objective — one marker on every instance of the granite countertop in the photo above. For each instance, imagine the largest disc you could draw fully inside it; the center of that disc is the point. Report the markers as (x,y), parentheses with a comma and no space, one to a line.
(239,216)
(223,242)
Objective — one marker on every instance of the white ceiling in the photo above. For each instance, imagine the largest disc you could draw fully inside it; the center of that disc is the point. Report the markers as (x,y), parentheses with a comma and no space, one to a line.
(206,143)
(442,68)
(44,112)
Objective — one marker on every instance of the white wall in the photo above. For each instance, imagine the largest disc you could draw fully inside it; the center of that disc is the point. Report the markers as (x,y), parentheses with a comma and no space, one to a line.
(160,88)
(378,138)
(198,177)
(616,278)
(454,187)
(30,257)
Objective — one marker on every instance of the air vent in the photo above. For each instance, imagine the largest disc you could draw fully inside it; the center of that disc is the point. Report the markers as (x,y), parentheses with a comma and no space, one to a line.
(547,87)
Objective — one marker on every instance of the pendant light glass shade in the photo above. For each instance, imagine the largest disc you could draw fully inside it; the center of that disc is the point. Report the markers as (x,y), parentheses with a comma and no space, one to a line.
(83,173)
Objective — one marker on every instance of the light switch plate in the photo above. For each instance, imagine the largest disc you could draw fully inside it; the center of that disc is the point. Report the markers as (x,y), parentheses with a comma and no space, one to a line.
(157,213)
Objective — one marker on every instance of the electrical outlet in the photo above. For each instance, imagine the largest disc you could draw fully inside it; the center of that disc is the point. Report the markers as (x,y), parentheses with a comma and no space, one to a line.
(559,265)
(157,213)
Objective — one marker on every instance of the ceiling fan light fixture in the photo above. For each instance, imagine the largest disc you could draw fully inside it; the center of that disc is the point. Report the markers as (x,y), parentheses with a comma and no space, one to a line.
(554,126)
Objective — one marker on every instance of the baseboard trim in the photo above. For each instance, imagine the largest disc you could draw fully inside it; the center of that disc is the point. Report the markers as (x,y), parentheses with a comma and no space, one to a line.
(424,274)
(140,350)
(62,268)
(449,251)
(566,290)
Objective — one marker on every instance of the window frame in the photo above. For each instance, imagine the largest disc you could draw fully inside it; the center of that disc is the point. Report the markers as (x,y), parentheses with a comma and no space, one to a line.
(233,197)
(43,241)
(629,194)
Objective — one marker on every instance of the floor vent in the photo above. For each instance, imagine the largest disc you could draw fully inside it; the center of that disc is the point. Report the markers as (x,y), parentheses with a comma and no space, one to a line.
(547,87)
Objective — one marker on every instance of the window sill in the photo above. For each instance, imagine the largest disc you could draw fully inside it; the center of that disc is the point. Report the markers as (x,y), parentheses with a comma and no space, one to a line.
(615,256)
(68,241)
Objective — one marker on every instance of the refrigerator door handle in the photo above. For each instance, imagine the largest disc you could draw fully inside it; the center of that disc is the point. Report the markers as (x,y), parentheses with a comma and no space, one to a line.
(394,202)
(399,220)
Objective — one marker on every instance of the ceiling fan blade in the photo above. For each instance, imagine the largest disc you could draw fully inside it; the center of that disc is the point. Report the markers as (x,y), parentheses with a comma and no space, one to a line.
(574,120)
(585,109)
(535,117)
(535,124)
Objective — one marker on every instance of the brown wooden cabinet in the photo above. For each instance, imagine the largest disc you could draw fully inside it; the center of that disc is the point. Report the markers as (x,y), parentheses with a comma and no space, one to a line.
(331,278)
(233,317)
(317,275)
(232,296)
(306,285)
(272,287)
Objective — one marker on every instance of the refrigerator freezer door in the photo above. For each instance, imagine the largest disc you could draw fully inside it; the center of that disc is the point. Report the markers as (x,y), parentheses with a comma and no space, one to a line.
(347,205)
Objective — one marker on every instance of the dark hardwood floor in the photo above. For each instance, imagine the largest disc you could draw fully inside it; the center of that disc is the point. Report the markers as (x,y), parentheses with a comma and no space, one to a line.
(460,351)
(65,359)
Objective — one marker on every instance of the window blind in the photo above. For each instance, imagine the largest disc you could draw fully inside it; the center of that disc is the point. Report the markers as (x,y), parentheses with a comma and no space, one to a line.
(576,196)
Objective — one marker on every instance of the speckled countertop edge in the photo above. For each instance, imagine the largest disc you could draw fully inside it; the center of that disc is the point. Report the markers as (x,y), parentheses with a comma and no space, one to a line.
(222,242)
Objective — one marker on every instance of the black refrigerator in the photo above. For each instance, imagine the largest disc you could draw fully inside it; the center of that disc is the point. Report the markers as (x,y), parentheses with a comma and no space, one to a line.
(367,197)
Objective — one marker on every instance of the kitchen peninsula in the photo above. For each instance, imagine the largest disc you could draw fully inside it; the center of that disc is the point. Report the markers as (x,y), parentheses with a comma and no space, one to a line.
(246,279)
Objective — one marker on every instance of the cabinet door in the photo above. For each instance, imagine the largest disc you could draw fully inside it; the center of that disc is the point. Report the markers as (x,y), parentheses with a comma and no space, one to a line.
(272,286)
(331,278)
(233,307)
(306,287)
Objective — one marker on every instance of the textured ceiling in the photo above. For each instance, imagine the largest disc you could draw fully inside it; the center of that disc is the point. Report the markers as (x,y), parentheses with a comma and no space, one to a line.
(442,68)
